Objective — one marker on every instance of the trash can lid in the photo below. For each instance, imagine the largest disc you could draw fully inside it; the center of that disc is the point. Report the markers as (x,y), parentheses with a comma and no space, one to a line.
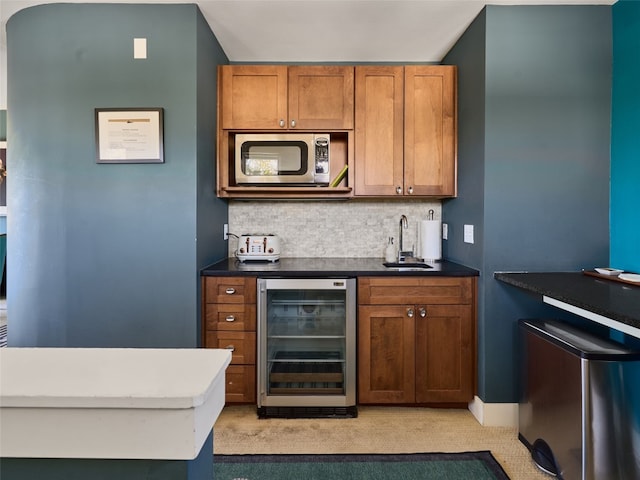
(585,344)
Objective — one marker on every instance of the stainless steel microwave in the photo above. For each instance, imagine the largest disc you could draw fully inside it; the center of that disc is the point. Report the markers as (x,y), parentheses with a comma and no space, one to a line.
(282,158)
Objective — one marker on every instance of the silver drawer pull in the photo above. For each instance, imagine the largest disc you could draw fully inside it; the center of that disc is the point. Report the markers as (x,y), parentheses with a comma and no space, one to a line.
(230,291)
(230,318)
(398,190)
(230,347)
(423,312)
(409,312)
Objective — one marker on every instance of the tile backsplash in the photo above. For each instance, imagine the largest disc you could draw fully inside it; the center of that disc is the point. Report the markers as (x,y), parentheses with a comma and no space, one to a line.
(332,228)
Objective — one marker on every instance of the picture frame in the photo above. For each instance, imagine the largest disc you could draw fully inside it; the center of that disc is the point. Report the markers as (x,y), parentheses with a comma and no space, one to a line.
(129,135)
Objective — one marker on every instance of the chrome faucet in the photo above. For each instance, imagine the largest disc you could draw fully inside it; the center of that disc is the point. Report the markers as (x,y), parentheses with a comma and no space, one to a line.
(403,254)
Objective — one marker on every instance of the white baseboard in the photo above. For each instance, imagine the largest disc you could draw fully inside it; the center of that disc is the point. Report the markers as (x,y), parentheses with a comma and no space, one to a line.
(494,414)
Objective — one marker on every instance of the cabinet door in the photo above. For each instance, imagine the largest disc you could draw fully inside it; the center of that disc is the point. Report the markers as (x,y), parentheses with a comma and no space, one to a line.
(430,130)
(240,383)
(253,96)
(445,354)
(379,130)
(386,370)
(321,97)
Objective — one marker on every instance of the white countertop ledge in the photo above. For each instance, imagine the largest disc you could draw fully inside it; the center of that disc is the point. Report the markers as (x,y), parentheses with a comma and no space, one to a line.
(109,402)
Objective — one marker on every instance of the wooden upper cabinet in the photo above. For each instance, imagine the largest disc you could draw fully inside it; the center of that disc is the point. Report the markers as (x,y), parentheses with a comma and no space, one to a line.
(379,130)
(405,130)
(278,97)
(321,97)
(430,136)
(253,97)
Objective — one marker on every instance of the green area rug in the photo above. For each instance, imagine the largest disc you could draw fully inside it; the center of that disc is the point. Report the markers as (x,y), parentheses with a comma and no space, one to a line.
(406,466)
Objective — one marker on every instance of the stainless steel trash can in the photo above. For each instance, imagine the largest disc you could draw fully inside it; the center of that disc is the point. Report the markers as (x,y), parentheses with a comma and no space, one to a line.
(579,411)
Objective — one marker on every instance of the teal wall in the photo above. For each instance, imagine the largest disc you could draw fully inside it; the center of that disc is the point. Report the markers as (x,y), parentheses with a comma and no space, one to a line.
(533,150)
(625,137)
(109,255)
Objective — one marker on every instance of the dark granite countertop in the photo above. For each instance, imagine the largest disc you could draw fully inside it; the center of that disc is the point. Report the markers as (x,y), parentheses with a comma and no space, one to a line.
(331,267)
(614,300)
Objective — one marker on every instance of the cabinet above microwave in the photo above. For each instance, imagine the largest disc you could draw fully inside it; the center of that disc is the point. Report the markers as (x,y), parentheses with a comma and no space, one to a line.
(279,97)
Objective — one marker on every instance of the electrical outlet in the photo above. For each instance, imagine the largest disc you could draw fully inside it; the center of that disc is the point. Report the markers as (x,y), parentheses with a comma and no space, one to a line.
(225,232)
(445,231)
(468,234)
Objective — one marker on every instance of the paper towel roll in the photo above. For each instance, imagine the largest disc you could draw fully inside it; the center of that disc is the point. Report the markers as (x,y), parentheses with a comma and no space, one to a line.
(431,239)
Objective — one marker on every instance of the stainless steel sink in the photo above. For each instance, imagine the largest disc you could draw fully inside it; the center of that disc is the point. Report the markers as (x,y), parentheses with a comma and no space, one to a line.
(406,266)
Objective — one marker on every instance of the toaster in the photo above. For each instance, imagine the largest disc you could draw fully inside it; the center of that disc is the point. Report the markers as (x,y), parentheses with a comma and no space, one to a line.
(258,247)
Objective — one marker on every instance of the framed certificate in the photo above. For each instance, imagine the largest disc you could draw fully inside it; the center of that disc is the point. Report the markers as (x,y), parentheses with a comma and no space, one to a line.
(129,135)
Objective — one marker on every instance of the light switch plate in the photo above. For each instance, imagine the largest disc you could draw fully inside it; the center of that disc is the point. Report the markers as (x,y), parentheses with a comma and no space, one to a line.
(445,231)
(468,234)
(140,48)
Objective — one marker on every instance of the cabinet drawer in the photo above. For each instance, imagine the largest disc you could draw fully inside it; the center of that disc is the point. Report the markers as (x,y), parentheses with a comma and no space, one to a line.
(240,384)
(230,316)
(230,290)
(413,290)
(242,343)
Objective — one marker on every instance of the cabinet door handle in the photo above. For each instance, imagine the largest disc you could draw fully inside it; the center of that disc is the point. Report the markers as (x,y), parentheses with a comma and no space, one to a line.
(230,318)
(230,291)
(398,190)
(282,123)
(293,124)
(423,312)
(230,347)
(410,312)
(410,190)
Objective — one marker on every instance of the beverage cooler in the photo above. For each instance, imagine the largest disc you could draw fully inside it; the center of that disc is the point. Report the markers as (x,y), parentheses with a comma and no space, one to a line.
(306,347)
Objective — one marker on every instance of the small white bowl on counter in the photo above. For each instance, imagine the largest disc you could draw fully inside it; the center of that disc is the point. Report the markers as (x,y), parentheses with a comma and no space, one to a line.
(609,271)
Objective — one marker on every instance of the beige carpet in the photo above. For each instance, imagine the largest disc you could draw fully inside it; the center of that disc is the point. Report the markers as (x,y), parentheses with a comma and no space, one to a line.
(376,430)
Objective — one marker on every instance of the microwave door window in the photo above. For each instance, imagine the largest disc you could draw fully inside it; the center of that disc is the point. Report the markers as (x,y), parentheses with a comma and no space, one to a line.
(293,159)
(274,158)
(260,164)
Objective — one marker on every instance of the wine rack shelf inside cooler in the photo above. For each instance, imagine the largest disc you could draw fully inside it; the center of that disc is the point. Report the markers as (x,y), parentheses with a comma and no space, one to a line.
(307,373)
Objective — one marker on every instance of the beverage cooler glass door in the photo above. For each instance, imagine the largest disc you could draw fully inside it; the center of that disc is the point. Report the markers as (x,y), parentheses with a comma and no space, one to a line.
(306,347)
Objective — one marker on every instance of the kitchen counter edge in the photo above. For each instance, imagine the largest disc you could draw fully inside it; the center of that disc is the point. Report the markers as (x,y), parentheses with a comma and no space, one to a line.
(331,267)
(613,300)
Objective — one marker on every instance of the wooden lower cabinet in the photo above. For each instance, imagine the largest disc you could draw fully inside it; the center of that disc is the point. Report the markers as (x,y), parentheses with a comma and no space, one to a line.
(386,353)
(416,337)
(417,353)
(240,384)
(229,321)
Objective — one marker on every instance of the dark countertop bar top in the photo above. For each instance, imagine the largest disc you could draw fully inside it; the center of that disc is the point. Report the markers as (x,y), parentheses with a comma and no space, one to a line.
(614,300)
(332,267)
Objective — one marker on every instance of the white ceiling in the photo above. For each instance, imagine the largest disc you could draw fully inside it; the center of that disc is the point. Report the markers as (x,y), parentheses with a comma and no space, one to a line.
(321,30)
